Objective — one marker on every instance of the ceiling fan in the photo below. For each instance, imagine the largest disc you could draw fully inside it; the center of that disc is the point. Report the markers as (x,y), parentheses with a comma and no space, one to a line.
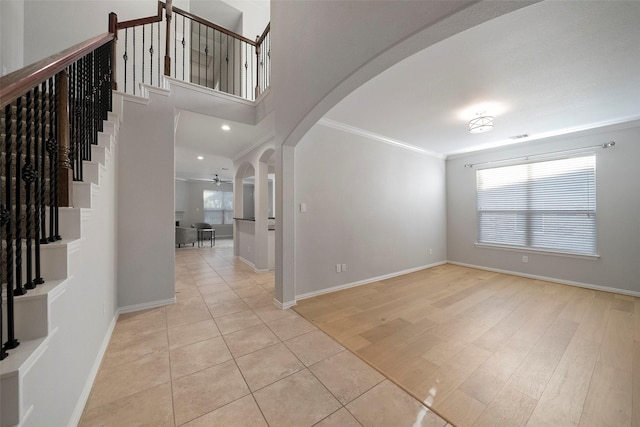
(219,181)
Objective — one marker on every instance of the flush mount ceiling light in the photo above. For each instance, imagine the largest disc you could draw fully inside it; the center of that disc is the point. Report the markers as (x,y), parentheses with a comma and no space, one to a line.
(200,158)
(481,123)
(225,127)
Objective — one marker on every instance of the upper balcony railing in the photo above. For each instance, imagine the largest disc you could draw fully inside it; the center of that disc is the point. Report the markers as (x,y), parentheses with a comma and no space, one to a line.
(177,44)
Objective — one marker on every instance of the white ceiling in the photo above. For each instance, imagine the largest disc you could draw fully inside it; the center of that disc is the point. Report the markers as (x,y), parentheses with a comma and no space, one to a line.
(202,135)
(546,69)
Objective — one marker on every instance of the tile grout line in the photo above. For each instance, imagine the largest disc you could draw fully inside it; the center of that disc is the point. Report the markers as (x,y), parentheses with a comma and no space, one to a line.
(240,371)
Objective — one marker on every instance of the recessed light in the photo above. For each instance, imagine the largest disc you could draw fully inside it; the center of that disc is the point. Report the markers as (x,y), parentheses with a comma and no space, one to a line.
(225,127)
(200,158)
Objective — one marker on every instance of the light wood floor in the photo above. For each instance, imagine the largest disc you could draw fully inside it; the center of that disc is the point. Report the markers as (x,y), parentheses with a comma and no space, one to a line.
(488,349)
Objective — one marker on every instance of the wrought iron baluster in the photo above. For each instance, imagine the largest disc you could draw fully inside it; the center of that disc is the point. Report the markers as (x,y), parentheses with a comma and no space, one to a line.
(109,75)
(253,68)
(106,99)
(134,59)
(52,148)
(95,97)
(213,61)
(246,70)
(38,143)
(206,56)
(227,60)
(125,56)
(159,51)
(5,217)
(151,61)
(72,119)
(19,290)
(28,176)
(101,75)
(3,214)
(143,53)
(183,44)
(46,110)
(54,169)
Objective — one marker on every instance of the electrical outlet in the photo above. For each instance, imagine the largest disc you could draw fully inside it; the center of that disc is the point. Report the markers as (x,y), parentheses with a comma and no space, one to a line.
(525,258)
(344,267)
(338,268)
(303,207)
(430,251)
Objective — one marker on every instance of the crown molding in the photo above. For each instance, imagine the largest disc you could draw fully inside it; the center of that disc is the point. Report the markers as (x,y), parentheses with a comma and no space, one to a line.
(376,137)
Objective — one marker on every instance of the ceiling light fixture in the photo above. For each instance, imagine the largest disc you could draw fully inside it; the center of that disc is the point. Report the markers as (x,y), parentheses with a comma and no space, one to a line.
(200,158)
(481,123)
(225,127)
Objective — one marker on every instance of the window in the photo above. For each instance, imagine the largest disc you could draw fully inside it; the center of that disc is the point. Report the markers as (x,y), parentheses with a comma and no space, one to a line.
(218,207)
(549,205)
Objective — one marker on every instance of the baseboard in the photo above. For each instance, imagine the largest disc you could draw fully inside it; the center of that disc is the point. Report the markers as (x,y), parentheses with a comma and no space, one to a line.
(367,281)
(146,305)
(550,279)
(284,305)
(252,265)
(246,261)
(84,396)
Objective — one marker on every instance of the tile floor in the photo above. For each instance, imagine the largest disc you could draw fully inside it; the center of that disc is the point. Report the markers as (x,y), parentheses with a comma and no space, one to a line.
(224,355)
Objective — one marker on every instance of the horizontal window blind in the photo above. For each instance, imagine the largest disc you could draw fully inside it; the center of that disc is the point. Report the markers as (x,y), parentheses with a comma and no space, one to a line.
(218,207)
(543,205)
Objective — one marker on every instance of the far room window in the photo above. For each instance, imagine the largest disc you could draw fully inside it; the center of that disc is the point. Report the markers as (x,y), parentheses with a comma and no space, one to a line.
(548,205)
(218,207)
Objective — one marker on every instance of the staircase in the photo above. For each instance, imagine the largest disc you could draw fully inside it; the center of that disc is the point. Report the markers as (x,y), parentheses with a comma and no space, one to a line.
(58,199)
(56,352)
(57,226)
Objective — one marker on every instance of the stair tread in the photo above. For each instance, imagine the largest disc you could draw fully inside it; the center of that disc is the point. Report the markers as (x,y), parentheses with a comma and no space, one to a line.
(22,357)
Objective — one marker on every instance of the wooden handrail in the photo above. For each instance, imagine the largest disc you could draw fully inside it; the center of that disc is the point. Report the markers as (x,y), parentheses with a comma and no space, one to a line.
(212,25)
(15,84)
(143,21)
(264,34)
(158,18)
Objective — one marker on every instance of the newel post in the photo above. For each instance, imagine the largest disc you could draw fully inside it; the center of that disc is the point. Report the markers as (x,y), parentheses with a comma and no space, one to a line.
(113,29)
(65,170)
(167,39)
(258,45)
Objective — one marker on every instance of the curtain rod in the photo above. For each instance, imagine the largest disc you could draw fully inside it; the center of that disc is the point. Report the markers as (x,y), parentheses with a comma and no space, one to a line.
(606,145)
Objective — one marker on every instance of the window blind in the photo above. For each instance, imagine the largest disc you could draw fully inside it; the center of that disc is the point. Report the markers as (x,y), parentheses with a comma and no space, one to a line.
(218,207)
(548,205)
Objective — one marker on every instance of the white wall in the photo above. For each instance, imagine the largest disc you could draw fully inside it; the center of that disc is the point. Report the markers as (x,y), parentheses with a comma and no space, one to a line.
(246,240)
(11,36)
(189,198)
(88,18)
(353,41)
(81,313)
(255,16)
(146,223)
(182,195)
(377,208)
(618,213)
